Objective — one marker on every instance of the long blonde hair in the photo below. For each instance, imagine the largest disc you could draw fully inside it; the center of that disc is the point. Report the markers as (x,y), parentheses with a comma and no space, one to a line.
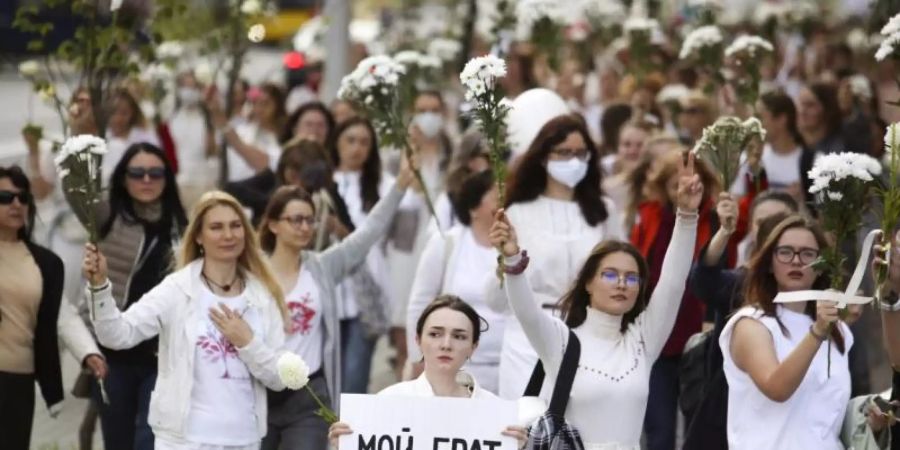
(251,260)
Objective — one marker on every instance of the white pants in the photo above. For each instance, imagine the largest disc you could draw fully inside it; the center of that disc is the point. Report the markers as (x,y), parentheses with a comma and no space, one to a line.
(162,444)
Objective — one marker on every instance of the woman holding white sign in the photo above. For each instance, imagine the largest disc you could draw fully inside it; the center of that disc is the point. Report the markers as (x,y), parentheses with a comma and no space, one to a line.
(620,334)
(782,392)
(447,333)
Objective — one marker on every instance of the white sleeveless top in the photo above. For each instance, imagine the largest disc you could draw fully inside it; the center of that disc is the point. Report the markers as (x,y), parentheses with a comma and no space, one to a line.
(812,417)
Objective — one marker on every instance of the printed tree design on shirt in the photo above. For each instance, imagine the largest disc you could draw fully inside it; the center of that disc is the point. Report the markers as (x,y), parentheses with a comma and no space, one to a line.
(214,347)
(301,314)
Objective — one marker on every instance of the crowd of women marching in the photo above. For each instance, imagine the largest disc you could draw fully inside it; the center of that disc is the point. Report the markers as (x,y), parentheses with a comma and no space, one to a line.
(615,242)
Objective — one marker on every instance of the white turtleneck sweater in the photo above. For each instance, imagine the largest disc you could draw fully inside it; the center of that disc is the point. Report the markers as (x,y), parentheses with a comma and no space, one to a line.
(609,394)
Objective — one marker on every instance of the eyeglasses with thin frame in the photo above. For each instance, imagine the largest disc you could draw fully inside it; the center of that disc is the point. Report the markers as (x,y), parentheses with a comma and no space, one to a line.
(611,277)
(565,154)
(786,254)
(138,173)
(298,220)
(7,197)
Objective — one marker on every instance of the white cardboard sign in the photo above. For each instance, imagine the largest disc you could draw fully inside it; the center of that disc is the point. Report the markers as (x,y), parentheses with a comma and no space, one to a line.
(426,423)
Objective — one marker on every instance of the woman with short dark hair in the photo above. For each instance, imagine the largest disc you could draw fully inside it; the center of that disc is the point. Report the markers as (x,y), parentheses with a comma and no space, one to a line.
(459,262)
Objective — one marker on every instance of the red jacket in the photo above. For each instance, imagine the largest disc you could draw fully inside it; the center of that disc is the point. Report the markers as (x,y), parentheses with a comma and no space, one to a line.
(651,216)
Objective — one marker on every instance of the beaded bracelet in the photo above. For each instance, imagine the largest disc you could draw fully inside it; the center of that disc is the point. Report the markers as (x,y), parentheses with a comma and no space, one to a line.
(812,331)
(519,267)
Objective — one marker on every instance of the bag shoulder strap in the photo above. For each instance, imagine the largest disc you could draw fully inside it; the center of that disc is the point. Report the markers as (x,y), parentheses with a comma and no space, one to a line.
(564,380)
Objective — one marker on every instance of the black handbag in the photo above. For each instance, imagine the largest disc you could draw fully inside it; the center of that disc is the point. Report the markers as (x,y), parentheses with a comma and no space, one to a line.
(551,431)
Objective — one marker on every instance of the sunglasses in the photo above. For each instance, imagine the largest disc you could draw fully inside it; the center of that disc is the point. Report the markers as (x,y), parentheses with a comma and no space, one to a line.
(138,173)
(7,197)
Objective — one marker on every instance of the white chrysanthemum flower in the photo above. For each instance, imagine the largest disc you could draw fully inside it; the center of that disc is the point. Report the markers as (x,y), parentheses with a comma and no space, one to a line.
(203,72)
(634,24)
(430,62)
(887,46)
(836,196)
(672,93)
(408,57)
(706,36)
(857,40)
(251,7)
(445,49)
(604,13)
(892,26)
(80,145)
(157,72)
(751,45)
(292,371)
(170,50)
(29,68)
(892,138)
(860,87)
(838,166)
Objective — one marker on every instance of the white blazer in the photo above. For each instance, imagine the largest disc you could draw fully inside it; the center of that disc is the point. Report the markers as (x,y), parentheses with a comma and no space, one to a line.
(171,310)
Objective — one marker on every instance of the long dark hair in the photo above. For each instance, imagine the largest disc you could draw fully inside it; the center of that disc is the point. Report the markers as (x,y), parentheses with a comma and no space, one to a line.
(173,217)
(778,103)
(760,287)
(826,94)
(529,177)
(371,170)
(20,180)
(288,133)
(277,203)
(573,305)
(457,304)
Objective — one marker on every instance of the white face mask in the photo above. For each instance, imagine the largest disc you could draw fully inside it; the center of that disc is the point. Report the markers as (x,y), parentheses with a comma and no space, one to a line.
(188,96)
(429,123)
(569,173)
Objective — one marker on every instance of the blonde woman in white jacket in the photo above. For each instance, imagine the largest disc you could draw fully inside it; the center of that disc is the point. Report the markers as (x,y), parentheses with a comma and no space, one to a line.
(219,318)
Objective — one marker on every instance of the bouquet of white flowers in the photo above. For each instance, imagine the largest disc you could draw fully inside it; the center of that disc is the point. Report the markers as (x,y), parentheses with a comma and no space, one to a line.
(542,22)
(703,47)
(724,141)
(639,31)
(375,87)
(889,194)
(746,54)
(481,79)
(78,167)
(841,182)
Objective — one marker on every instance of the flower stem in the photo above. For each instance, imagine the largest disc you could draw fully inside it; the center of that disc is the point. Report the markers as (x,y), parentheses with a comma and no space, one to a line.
(324,412)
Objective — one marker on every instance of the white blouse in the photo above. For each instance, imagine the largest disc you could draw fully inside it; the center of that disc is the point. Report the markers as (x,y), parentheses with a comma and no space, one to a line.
(812,417)
(349,188)
(457,264)
(252,134)
(558,240)
(609,393)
